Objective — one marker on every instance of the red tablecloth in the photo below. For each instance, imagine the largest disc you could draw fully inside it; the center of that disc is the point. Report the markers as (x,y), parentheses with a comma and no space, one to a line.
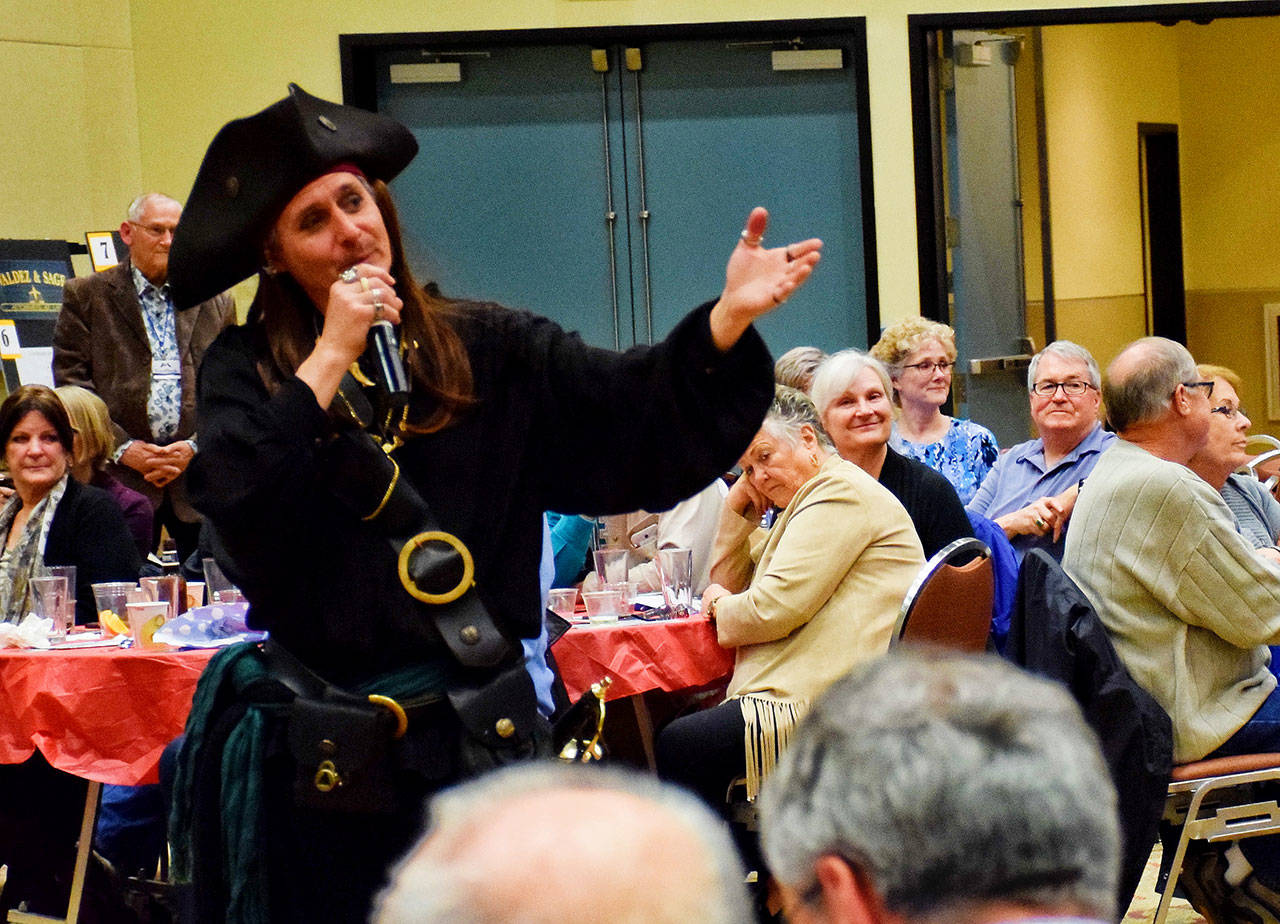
(669,654)
(104,714)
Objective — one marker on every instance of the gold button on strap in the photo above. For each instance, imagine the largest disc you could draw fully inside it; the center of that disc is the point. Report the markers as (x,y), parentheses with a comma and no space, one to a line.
(468,567)
(402,720)
(505,728)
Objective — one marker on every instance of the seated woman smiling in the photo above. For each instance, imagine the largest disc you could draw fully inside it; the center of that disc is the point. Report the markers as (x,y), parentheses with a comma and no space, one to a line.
(52,519)
(801,603)
(851,391)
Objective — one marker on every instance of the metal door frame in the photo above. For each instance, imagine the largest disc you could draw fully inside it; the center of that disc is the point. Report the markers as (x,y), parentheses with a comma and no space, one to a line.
(359,52)
(922,32)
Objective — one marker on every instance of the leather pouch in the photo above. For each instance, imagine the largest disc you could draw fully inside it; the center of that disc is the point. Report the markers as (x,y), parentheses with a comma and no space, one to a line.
(345,755)
(501,721)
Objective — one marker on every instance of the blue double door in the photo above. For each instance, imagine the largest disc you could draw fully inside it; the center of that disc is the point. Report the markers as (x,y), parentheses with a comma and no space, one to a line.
(604,185)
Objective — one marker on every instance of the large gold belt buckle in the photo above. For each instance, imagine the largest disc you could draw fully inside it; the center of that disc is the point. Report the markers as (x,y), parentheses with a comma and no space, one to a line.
(464,584)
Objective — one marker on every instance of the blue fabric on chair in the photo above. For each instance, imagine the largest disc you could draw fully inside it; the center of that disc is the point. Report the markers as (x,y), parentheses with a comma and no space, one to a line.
(1004,565)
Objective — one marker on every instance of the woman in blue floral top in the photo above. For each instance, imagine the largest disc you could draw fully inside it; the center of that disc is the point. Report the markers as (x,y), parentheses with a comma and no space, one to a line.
(920,355)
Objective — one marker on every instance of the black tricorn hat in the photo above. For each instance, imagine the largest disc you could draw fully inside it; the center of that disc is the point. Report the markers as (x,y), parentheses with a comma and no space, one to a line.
(254,166)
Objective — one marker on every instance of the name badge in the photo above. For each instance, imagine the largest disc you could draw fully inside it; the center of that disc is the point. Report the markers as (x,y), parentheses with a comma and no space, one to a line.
(166,369)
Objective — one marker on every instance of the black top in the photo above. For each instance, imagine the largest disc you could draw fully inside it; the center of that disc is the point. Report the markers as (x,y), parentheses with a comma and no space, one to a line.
(89,531)
(931,501)
(557,425)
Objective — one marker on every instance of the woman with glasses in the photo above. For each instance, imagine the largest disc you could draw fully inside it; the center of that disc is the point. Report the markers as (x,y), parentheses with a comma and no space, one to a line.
(1256,511)
(920,355)
(1032,489)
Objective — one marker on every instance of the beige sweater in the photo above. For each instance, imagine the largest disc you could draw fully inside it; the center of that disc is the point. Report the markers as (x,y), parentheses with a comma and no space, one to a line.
(1188,603)
(818,592)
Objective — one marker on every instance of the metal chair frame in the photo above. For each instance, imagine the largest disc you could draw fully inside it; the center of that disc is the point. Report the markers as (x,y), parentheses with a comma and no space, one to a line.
(1207,803)
(941,564)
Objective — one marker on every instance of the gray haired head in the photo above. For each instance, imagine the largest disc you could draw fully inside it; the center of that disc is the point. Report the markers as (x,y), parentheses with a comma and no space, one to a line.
(788,415)
(795,367)
(837,373)
(570,844)
(1142,378)
(1065,349)
(139,205)
(951,780)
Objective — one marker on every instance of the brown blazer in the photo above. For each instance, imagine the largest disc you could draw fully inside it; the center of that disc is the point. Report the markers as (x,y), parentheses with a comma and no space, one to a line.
(100,342)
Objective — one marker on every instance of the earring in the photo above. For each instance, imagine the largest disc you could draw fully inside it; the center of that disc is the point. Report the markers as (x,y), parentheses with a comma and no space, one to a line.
(813,458)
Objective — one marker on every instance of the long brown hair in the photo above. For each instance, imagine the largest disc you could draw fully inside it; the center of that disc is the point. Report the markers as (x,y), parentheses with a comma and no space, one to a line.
(435,356)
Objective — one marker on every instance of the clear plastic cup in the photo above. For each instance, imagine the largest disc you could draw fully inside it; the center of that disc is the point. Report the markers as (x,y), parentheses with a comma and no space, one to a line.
(113,597)
(563,601)
(604,606)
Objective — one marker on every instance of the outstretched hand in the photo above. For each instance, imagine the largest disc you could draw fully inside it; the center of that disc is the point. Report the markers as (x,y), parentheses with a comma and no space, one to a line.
(759,279)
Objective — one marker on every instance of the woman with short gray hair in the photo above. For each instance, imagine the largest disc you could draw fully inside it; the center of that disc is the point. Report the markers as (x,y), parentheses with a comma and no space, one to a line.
(800,603)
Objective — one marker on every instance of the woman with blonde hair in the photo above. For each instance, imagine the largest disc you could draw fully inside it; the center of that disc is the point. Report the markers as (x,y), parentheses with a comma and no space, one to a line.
(92,444)
(920,355)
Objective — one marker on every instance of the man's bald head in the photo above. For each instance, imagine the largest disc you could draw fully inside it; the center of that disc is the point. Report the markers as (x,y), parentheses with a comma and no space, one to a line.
(551,843)
(1142,379)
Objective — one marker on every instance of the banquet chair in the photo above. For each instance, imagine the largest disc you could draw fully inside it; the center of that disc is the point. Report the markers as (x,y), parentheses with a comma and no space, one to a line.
(1216,801)
(1265,466)
(949,604)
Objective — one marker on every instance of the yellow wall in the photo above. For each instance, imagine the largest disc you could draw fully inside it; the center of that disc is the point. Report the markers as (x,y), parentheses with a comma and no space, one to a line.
(198,63)
(1100,82)
(69,152)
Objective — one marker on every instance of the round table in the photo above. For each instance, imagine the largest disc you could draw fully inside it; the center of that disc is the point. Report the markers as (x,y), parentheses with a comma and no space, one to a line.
(104,714)
(640,655)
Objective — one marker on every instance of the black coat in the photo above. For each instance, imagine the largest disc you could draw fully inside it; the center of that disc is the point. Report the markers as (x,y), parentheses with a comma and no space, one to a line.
(556,425)
(89,531)
(1056,633)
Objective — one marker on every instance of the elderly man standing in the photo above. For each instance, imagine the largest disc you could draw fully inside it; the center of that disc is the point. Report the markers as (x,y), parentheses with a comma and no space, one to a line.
(1188,603)
(119,336)
(1032,489)
(937,786)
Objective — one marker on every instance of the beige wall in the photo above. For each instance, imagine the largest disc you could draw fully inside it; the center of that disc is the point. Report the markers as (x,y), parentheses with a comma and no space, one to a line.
(69,150)
(198,63)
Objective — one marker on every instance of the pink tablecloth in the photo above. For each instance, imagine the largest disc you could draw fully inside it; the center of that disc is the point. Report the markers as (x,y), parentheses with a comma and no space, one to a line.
(104,714)
(671,654)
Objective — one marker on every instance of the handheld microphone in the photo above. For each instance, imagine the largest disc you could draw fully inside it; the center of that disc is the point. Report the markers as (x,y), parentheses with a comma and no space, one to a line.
(388,368)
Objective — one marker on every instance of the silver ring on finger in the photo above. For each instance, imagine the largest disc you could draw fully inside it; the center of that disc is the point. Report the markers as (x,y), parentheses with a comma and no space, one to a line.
(751,240)
(350,274)
(1040,524)
(377,311)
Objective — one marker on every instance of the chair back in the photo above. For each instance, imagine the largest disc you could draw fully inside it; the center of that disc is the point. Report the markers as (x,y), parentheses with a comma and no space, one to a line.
(1265,466)
(949,604)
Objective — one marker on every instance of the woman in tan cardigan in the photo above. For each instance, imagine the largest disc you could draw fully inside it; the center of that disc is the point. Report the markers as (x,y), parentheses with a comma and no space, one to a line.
(801,602)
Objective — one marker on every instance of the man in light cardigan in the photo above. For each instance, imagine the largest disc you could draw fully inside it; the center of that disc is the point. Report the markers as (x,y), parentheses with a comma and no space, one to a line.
(1188,603)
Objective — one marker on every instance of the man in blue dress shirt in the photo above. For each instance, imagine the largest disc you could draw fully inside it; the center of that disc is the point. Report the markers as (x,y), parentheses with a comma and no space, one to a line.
(1032,489)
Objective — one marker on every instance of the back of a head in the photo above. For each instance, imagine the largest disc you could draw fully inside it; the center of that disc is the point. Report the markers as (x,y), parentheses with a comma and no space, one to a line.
(795,368)
(1142,378)
(92,421)
(953,781)
(545,843)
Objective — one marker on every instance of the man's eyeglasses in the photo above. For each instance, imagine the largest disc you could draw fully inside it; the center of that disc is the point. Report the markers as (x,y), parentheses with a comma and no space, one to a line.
(928,367)
(1229,412)
(1207,386)
(1070,389)
(156,231)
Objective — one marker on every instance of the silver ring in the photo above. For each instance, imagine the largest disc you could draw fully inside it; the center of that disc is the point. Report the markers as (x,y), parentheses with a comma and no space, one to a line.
(350,274)
(1040,523)
(377,295)
(751,240)
(377,311)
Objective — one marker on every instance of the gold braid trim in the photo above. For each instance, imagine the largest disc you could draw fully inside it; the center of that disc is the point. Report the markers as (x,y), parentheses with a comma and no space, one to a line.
(769,723)
(395,479)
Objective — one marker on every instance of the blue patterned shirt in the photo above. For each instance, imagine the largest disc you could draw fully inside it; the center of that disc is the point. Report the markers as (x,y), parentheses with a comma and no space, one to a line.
(963,456)
(164,403)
